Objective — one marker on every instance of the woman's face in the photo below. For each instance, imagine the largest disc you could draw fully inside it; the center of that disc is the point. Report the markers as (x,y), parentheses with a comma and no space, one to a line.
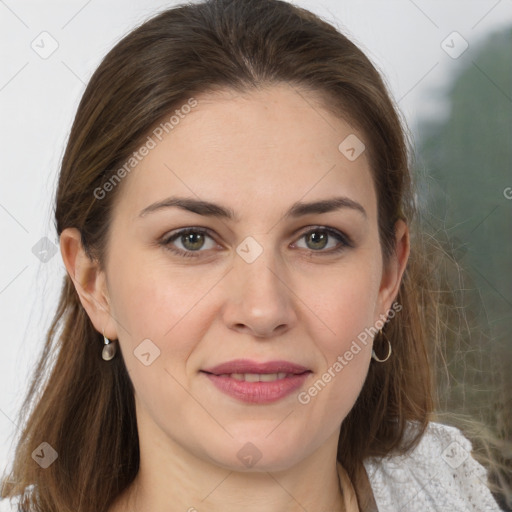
(277,282)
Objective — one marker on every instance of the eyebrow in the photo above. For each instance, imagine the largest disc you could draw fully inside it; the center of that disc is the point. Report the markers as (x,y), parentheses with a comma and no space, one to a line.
(209,209)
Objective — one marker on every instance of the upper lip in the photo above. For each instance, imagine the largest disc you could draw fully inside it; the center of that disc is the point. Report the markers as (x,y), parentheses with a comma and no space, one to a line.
(248,366)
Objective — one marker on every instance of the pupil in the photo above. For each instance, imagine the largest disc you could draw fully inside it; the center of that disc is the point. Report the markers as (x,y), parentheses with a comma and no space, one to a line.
(190,237)
(322,238)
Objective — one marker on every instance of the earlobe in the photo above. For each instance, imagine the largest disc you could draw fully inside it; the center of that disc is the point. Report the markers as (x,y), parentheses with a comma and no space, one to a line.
(89,281)
(395,267)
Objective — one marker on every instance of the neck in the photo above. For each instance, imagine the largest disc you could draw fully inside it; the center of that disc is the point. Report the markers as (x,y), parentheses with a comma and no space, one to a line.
(170,478)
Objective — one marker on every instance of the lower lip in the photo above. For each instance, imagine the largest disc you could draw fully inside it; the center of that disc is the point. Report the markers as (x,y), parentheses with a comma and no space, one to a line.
(258,392)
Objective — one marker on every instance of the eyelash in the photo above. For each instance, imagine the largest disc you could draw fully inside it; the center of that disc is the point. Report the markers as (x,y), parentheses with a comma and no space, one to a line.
(345,241)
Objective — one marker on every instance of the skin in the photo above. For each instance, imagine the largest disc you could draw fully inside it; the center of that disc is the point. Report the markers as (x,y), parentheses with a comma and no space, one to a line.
(256,153)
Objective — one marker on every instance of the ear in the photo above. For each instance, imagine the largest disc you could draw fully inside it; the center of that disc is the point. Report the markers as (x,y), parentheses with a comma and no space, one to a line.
(394,268)
(90,282)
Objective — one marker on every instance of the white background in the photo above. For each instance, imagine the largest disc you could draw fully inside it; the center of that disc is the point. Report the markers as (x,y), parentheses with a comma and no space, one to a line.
(38,99)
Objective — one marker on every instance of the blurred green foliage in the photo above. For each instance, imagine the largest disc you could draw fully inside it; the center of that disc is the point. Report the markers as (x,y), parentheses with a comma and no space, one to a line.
(464,168)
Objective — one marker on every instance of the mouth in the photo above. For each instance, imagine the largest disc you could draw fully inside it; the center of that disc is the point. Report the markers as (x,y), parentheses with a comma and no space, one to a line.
(256,377)
(253,382)
(249,367)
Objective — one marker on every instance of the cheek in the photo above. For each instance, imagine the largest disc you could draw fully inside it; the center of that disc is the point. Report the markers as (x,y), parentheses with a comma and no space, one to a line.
(156,303)
(351,347)
(345,303)
(346,307)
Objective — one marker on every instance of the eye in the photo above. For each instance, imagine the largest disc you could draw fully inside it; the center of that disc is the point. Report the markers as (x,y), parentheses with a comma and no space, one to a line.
(191,239)
(319,237)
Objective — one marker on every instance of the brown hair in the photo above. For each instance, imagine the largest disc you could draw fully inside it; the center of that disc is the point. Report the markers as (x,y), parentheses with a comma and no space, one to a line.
(85,409)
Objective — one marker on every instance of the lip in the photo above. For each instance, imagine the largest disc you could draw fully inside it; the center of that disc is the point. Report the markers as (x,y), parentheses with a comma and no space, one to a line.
(257,392)
(248,366)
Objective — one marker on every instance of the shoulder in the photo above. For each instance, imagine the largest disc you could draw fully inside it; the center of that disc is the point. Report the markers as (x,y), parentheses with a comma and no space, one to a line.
(438,474)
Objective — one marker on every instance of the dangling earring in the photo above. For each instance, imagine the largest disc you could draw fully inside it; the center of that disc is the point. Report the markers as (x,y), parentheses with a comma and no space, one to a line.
(109,349)
(374,356)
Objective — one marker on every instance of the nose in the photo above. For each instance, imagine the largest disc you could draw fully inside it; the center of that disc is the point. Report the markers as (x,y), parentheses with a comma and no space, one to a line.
(259,300)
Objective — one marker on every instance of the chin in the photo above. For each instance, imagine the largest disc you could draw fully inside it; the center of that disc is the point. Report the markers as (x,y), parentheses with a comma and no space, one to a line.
(257,454)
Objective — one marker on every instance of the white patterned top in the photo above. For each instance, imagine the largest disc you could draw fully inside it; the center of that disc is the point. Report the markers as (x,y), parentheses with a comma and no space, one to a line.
(439,475)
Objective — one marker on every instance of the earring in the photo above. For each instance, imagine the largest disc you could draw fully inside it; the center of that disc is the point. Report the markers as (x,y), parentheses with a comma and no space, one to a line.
(109,349)
(374,355)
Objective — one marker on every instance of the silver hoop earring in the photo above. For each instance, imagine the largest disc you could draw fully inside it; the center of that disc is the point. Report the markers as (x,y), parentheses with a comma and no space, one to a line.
(374,355)
(109,349)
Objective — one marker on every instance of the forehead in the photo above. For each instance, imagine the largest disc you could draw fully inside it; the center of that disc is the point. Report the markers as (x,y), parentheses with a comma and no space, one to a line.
(270,146)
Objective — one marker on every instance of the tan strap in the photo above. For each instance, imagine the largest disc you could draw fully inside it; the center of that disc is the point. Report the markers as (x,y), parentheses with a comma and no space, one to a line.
(349,494)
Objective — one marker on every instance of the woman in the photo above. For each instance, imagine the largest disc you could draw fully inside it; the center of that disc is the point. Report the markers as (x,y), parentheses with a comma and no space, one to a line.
(240,323)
